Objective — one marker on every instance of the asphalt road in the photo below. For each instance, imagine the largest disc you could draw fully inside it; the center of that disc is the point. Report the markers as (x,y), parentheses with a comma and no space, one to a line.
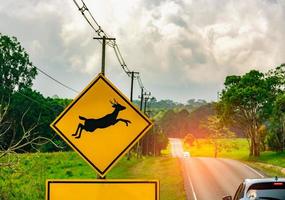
(210,178)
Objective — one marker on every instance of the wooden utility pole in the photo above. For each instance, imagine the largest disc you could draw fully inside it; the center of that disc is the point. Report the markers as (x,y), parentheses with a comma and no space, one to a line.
(104,38)
(146,98)
(139,146)
(103,66)
(132,73)
(141,97)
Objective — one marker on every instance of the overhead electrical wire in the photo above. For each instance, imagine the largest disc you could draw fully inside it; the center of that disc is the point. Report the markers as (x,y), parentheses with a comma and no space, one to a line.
(52,78)
(62,84)
(91,21)
(112,43)
(140,82)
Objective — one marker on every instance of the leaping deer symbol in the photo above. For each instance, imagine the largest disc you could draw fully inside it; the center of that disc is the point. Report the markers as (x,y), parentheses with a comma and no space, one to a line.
(91,125)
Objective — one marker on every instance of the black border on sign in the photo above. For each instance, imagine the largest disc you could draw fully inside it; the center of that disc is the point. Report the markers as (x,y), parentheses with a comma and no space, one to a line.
(102,173)
(49,182)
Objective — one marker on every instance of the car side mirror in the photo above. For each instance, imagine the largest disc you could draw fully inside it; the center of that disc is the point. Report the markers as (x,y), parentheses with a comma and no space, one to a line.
(227,197)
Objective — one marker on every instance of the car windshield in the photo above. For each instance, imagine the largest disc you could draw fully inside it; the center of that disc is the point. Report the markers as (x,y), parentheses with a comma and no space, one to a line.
(272,191)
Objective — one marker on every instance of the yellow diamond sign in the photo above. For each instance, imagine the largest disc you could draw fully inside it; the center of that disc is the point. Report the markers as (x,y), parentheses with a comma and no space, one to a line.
(101,124)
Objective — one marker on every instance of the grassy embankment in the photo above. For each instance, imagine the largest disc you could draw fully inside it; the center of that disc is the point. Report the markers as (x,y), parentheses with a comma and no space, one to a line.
(27,180)
(270,162)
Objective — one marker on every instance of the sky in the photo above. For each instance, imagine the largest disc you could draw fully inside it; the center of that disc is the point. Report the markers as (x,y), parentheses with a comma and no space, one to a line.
(183,49)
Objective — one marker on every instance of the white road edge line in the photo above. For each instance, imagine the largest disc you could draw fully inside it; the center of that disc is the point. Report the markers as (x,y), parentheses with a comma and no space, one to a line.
(189,178)
(185,168)
(192,188)
(262,176)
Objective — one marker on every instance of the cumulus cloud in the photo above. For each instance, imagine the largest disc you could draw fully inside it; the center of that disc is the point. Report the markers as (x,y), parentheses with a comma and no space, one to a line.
(183,48)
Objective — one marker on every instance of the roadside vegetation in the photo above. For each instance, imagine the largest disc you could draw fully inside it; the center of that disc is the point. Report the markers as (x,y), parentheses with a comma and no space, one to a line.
(27,179)
(251,107)
(270,162)
(237,148)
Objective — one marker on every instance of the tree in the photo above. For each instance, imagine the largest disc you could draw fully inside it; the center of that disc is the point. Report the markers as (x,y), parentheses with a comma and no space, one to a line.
(37,104)
(273,114)
(218,131)
(279,74)
(175,124)
(154,141)
(197,116)
(276,136)
(189,139)
(193,103)
(16,69)
(13,140)
(245,102)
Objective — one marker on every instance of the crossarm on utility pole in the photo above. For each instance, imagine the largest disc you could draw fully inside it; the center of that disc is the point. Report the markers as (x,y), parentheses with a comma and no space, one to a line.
(141,97)
(104,38)
(146,98)
(133,76)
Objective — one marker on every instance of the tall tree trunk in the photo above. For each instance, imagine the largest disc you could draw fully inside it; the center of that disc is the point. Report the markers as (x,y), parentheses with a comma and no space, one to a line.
(283,133)
(251,147)
(251,143)
(255,145)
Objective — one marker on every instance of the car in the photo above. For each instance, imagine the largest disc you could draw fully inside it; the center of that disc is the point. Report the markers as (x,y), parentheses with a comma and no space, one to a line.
(265,188)
(186,154)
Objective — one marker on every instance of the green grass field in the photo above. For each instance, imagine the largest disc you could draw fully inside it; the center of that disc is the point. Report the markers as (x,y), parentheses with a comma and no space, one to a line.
(26,180)
(203,148)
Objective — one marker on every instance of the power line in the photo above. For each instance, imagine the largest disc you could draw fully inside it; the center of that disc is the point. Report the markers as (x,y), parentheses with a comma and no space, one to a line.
(52,78)
(82,7)
(91,20)
(140,82)
(62,84)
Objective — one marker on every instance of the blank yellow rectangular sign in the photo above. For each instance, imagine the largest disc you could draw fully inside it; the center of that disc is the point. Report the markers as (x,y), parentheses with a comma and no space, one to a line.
(102,190)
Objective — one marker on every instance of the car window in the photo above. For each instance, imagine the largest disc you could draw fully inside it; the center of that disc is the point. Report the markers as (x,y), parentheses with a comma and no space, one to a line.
(272,190)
